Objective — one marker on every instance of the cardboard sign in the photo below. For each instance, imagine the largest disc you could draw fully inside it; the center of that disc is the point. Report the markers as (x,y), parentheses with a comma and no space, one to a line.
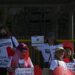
(24,71)
(37,39)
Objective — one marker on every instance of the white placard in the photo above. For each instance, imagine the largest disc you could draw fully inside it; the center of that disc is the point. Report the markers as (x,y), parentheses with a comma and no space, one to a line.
(71,66)
(37,39)
(24,71)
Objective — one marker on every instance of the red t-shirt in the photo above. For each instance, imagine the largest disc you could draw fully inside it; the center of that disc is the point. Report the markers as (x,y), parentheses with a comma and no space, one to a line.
(67,60)
(10,51)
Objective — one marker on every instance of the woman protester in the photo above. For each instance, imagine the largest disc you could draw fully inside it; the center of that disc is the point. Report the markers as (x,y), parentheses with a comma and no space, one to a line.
(6,48)
(68,57)
(21,59)
(58,66)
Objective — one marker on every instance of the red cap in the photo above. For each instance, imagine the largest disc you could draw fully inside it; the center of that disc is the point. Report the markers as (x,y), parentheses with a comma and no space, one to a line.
(68,44)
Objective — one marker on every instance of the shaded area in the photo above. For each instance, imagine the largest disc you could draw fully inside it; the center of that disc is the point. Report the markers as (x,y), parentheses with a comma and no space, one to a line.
(36,1)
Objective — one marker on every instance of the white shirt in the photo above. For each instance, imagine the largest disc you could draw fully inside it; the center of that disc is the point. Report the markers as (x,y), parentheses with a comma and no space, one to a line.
(55,64)
(22,62)
(4,43)
(48,51)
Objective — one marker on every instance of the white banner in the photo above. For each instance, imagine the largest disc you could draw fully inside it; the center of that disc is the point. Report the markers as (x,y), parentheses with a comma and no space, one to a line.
(24,71)
(71,66)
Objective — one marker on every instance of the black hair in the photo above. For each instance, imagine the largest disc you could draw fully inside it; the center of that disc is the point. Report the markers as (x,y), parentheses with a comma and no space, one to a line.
(22,49)
(72,58)
(4,35)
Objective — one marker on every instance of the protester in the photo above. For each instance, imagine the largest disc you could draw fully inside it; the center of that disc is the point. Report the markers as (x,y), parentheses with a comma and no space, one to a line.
(7,43)
(48,49)
(59,53)
(68,57)
(58,66)
(58,61)
(68,46)
(21,59)
(52,43)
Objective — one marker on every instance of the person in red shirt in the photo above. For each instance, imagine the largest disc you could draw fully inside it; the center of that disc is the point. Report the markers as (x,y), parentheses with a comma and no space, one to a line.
(21,59)
(68,56)
(68,46)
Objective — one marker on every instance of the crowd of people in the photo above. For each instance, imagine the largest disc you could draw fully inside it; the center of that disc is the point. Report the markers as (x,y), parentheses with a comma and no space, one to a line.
(14,54)
(58,55)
